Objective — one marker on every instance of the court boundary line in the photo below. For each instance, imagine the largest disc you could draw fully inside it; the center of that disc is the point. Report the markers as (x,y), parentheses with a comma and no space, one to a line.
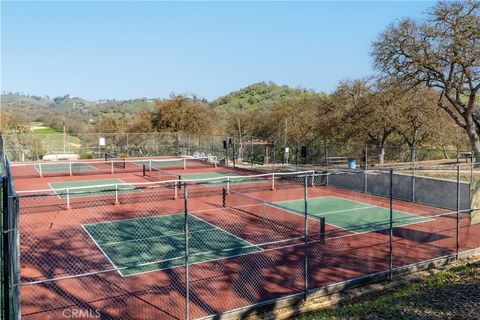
(54,191)
(103,252)
(250,245)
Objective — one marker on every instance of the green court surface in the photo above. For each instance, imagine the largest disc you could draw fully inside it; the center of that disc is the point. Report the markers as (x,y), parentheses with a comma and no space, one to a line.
(209,175)
(93,187)
(352,215)
(153,243)
(64,167)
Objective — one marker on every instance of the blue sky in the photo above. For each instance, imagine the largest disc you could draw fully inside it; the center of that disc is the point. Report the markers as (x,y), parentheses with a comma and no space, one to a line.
(121,50)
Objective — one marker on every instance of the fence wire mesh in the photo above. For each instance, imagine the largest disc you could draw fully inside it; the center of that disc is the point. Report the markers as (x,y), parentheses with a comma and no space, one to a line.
(195,247)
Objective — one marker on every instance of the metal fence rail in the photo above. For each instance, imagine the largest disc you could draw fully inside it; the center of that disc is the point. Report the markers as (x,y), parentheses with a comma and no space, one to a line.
(230,243)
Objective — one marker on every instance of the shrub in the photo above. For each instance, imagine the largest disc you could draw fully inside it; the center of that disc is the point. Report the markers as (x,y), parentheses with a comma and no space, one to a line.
(86,155)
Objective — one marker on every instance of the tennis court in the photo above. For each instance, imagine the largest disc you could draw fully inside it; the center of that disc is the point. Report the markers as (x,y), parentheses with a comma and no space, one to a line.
(146,244)
(129,255)
(350,215)
(88,188)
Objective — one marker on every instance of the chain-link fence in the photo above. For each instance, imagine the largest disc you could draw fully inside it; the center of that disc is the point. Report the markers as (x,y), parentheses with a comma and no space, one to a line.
(254,152)
(188,249)
(9,292)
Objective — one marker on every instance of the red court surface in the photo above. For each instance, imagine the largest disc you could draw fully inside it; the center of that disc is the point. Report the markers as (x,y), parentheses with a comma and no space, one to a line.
(63,270)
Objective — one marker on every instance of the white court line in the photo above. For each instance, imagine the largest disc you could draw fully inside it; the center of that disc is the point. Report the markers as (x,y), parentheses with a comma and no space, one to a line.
(127,183)
(54,191)
(99,247)
(35,166)
(225,231)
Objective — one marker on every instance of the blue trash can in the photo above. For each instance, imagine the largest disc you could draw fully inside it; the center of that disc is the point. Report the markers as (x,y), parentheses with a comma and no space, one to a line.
(352,164)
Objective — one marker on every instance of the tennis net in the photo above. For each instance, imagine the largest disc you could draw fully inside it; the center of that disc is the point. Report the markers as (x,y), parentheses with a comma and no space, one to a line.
(108,165)
(160,174)
(116,161)
(95,195)
(272,217)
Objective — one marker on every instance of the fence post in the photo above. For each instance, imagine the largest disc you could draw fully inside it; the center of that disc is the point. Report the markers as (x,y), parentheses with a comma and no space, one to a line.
(6,260)
(305,235)
(186,232)
(390,273)
(471,167)
(127,144)
(234,156)
(252,157)
(326,160)
(457,236)
(365,172)
(414,160)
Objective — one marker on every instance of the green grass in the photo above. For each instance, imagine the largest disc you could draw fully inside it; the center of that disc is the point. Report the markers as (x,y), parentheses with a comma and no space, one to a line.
(47,130)
(451,294)
(52,139)
(352,215)
(159,242)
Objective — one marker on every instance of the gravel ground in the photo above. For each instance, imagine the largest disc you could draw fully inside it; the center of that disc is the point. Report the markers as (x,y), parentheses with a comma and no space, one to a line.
(450,294)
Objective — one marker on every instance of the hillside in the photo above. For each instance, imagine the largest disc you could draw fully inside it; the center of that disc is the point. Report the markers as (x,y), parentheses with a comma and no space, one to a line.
(259,95)
(52,111)
(37,108)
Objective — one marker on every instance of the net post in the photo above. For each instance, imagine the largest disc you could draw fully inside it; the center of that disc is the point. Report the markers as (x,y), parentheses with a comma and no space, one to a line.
(273,181)
(224,197)
(312,184)
(70,168)
(184,164)
(186,234)
(144,170)
(40,170)
(111,167)
(457,226)
(305,236)
(68,198)
(322,230)
(390,267)
(150,165)
(228,184)
(116,194)
(176,185)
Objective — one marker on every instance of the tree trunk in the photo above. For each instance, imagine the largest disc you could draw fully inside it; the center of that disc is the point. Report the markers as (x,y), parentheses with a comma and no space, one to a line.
(445,153)
(380,149)
(474,139)
(177,144)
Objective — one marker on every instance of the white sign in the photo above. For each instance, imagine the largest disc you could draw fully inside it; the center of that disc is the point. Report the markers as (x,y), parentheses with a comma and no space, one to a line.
(287,150)
(101,141)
